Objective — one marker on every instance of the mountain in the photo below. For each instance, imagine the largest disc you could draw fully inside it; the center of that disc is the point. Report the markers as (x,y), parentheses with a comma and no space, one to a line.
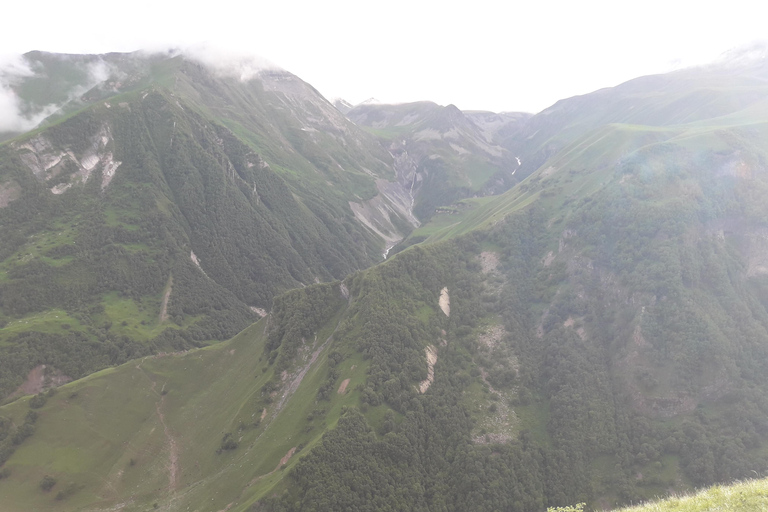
(442,152)
(597,333)
(678,98)
(342,105)
(165,201)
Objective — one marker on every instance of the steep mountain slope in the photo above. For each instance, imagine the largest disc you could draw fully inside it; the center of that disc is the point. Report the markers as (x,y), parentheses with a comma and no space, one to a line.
(444,154)
(678,98)
(162,203)
(597,333)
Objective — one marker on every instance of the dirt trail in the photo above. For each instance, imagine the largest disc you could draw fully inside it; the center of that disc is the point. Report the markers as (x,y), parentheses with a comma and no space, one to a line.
(294,385)
(166,296)
(173,457)
(287,457)
(289,391)
(280,464)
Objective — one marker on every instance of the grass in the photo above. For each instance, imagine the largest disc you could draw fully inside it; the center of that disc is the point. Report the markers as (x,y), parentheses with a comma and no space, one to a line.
(49,321)
(534,418)
(746,496)
(103,435)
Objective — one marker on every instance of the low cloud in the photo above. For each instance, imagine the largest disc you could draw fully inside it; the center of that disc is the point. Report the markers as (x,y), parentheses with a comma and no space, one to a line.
(16,115)
(227,62)
(750,53)
(13,69)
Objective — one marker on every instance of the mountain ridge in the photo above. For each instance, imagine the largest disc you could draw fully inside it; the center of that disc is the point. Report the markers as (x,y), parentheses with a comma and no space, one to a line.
(596,333)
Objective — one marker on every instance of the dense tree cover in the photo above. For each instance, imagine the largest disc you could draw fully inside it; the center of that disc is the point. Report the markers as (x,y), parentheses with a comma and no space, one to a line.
(426,461)
(617,424)
(295,317)
(75,354)
(185,184)
(11,436)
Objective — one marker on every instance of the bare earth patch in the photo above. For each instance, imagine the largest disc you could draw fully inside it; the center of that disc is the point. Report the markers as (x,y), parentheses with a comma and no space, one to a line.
(431,353)
(489,261)
(282,463)
(259,311)
(492,336)
(343,387)
(501,423)
(9,192)
(287,457)
(196,261)
(173,456)
(37,381)
(166,296)
(445,301)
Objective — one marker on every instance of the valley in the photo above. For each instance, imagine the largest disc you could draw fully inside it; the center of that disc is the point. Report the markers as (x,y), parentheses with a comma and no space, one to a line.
(461,310)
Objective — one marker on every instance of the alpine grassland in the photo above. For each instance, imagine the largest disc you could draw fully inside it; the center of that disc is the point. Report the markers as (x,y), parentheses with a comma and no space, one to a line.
(597,334)
(746,496)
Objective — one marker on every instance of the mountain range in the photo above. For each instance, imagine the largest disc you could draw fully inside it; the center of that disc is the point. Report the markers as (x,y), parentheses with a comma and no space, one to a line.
(220,291)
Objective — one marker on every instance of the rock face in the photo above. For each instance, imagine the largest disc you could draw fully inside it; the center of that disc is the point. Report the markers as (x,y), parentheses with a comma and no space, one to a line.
(431,353)
(441,153)
(445,301)
(60,165)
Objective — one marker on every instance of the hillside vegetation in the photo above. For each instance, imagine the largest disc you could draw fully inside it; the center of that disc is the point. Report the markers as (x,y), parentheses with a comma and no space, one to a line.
(442,153)
(165,209)
(748,496)
(597,334)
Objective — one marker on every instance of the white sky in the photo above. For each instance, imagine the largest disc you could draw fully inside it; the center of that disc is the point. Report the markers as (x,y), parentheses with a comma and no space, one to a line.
(489,55)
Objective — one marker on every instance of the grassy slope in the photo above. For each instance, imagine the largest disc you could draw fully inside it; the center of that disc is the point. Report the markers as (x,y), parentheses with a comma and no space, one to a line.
(102,436)
(586,165)
(748,496)
(213,382)
(449,151)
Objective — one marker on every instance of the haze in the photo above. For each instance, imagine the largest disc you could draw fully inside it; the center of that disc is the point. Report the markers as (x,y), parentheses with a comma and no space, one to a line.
(515,57)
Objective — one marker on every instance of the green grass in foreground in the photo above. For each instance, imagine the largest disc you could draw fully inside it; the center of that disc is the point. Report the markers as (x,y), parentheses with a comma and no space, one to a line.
(747,496)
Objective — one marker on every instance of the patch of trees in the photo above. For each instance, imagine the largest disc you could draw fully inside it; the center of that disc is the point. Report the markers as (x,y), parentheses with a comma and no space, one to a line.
(11,438)
(428,462)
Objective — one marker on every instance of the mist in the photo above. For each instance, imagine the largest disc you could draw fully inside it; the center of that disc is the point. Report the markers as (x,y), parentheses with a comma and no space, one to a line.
(18,115)
(227,62)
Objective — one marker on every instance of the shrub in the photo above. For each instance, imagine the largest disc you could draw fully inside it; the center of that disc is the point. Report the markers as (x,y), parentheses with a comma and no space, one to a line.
(47,483)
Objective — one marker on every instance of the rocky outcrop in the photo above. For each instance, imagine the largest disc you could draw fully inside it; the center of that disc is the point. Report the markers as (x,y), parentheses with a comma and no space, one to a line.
(63,167)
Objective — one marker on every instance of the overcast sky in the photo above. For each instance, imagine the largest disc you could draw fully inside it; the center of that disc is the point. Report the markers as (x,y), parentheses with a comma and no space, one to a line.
(489,55)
